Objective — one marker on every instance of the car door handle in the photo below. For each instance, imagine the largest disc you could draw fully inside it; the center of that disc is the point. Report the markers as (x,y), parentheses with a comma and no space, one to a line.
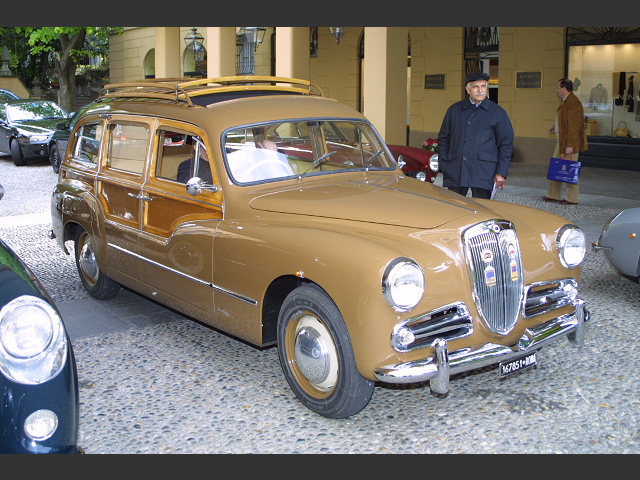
(140,197)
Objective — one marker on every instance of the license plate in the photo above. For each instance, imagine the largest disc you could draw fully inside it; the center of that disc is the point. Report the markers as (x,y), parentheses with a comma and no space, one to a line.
(518,364)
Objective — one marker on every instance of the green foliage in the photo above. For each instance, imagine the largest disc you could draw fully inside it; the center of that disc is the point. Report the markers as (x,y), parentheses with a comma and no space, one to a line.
(52,39)
(44,53)
(22,63)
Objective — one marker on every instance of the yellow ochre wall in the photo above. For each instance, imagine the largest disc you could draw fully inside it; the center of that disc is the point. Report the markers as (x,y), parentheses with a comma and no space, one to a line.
(434,50)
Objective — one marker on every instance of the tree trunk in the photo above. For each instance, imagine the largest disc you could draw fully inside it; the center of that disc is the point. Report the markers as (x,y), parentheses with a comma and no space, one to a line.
(66,69)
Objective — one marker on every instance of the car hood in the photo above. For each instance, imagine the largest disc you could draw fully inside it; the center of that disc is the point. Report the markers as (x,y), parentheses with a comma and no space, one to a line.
(398,200)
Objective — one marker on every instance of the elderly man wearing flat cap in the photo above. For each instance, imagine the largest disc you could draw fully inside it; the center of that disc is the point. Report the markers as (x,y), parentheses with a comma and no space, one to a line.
(475,142)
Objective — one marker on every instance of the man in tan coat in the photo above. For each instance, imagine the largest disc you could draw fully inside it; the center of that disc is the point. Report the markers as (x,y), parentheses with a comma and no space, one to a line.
(572,139)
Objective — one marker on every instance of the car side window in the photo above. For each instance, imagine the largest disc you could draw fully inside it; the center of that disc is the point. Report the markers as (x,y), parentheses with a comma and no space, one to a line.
(182,156)
(127,146)
(87,142)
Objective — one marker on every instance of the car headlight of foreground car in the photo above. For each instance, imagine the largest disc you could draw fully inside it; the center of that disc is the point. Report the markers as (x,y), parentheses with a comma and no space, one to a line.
(403,284)
(33,344)
(571,244)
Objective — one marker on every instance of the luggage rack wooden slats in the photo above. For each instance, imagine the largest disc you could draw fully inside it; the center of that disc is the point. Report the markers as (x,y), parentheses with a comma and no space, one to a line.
(181,90)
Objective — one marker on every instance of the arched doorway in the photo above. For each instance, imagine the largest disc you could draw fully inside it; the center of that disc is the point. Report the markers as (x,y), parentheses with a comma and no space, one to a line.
(149,64)
(191,66)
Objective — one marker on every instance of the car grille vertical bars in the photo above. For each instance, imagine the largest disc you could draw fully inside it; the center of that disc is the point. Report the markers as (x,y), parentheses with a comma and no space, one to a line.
(493,258)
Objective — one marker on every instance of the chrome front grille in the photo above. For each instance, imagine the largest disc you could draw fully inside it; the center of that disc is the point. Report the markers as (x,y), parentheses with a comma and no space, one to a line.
(448,322)
(495,266)
(542,297)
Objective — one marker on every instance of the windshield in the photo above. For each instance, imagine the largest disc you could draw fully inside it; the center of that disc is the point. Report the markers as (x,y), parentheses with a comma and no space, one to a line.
(34,111)
(259,153)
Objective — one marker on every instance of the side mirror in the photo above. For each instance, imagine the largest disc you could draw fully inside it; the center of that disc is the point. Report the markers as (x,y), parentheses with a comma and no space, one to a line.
(196,185)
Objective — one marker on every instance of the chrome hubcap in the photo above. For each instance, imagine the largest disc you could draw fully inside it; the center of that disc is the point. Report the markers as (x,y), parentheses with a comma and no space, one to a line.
(87,261)
(315,353)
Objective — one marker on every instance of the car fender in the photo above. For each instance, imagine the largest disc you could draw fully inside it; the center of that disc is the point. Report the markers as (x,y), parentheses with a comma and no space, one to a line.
(73,205)
(250,257)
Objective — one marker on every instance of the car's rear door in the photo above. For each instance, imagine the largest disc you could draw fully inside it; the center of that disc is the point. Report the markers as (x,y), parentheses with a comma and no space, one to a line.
(119,189)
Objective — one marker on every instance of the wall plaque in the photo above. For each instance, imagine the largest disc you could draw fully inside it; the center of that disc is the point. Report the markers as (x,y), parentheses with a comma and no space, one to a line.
(529,80)
(434,82)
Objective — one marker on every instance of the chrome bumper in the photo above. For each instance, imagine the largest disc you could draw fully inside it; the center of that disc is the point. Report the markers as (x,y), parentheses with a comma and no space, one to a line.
(443,364)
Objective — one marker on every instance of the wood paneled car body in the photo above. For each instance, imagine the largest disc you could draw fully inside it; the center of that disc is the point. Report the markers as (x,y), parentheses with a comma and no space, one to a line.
(260,207)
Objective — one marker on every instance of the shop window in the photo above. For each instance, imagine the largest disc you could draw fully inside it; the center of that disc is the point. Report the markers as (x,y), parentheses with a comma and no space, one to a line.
(606,80)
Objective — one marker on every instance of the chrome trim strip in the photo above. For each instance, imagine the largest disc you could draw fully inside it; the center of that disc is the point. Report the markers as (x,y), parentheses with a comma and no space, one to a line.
(441,365)
(161,193)
(182,274)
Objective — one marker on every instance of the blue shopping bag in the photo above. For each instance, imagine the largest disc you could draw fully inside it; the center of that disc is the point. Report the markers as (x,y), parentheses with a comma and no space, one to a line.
(563,170)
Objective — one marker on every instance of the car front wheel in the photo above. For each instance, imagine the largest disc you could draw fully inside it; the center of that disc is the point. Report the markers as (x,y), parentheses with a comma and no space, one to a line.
(316,355)
(54,158)
(16,154)
(96,283)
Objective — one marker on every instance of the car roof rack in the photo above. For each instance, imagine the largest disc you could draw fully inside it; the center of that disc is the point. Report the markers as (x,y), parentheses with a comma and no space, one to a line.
(181,90)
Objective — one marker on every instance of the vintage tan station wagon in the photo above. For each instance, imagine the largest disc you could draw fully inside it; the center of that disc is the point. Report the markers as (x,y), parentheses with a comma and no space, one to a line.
(273,213)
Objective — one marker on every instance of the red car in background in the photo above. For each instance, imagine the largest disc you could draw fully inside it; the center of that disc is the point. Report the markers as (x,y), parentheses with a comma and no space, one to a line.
(416,162)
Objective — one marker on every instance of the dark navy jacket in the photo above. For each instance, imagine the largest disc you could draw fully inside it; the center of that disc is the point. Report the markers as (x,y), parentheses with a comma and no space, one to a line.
(474,144)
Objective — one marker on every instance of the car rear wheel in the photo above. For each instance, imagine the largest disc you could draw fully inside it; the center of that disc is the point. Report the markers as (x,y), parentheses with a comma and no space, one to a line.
(16,154)
(316,355)
(96,283)
(54,158)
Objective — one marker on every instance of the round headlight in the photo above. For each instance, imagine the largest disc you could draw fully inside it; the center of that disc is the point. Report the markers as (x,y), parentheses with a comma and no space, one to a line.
(41,424)
(33,342)
(26,331)
(433,162)
(422,176)
(403,284)
(571,244)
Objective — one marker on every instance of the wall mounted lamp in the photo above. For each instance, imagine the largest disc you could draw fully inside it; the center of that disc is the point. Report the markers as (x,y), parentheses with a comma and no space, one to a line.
(337,32)
(194,43)
(253,35)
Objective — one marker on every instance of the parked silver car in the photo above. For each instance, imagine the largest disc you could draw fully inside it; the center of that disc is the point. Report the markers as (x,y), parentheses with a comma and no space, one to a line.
(620,242)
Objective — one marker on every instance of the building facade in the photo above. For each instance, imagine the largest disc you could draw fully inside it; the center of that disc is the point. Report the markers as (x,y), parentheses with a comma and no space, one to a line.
(404,78)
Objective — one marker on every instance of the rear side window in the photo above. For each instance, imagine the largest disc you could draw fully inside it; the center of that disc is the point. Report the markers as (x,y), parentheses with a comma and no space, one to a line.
(127,146)
(87,142)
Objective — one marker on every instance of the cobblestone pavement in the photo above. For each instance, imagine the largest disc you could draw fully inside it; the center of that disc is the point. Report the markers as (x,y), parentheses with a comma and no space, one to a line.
(162,383)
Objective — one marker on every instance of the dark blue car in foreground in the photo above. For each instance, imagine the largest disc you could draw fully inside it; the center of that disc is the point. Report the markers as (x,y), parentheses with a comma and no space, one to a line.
(39,406)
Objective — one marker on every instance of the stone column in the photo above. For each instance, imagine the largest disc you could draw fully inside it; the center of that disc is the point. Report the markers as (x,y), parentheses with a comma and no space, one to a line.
(168,47)
(4,69)
(221,51)
(292,52)
(385,81)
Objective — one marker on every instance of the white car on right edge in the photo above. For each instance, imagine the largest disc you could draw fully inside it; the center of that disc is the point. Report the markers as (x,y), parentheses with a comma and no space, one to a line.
(620,242)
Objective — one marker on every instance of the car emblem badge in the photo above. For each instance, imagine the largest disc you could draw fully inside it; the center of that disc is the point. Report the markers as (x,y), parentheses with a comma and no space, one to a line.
(490,276)
(487,255)
(511,250)
(514,270)
(495,227)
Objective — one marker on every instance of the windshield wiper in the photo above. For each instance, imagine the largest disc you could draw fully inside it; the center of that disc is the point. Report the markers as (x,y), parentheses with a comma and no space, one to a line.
(317,162)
